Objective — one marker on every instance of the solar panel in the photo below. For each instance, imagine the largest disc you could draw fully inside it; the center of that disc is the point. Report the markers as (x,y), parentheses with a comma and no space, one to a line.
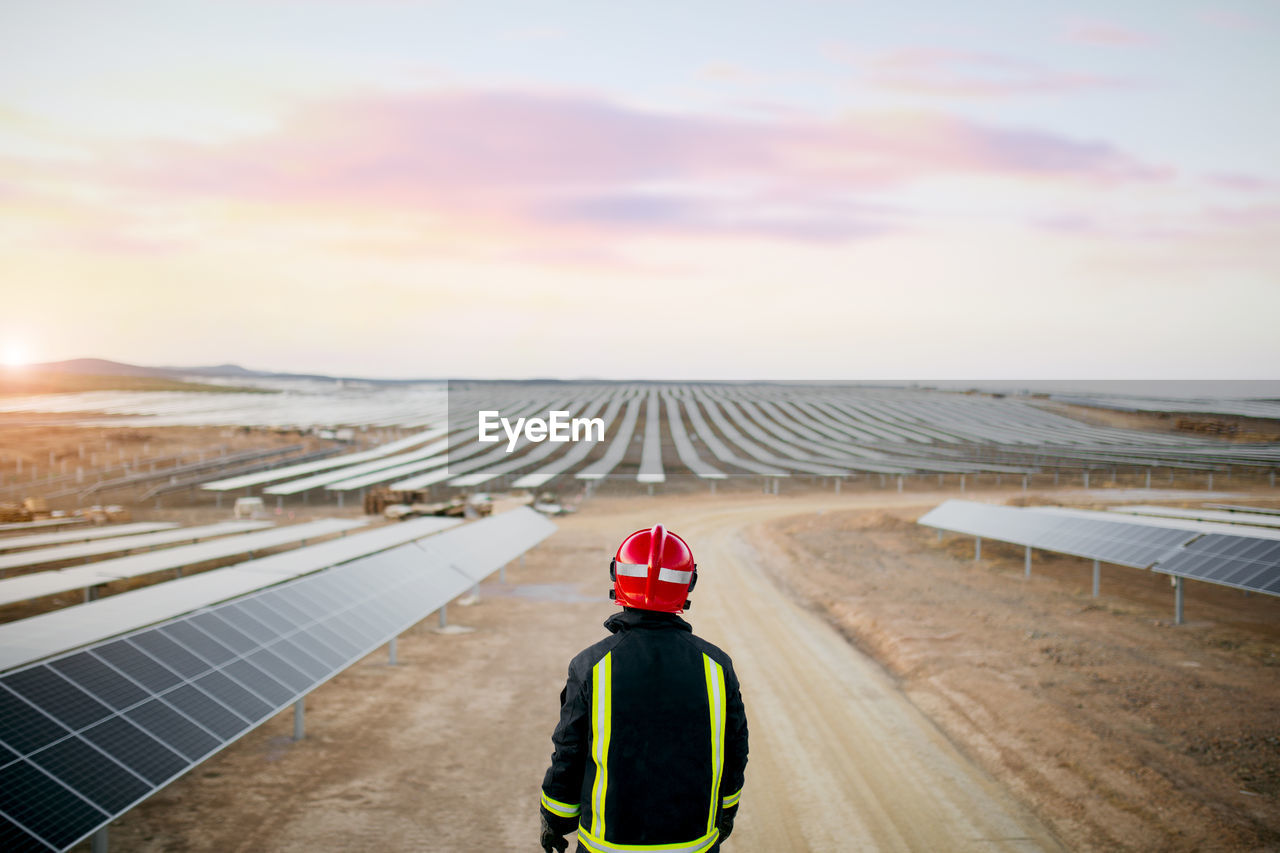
(1224,516)
(126,543)
(1135,545)
(617,447)
(651,451)
(995,522)
(259,477)
(41,540)
(1243,562)
(1246,509)
(43,524)
(38,584)
(1139,543)
(50,633)
(85,736)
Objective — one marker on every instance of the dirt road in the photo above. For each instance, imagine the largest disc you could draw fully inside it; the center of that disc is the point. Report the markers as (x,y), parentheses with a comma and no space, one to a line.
(840,760)
(446,750)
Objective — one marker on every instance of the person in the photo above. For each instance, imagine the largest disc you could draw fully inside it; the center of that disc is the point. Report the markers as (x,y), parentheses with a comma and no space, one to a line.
(651,747)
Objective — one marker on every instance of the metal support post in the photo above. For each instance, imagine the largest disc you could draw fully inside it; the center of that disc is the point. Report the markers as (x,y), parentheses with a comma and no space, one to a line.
(977,548)
(899,484)
(1209,487)
(962,482)
(340,498)
(939,534)
(1177,601)
(1024,482)
(1148,478)
(444,616)
(391,652)
(502,574)
(1027,571)
(713,486)
(99,841)
(1086,478)
(299,718)
(838,485)
(1097,576)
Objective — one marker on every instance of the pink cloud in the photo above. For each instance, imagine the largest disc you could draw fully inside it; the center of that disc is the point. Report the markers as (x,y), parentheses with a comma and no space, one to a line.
(942,71)
(1108,34)
(1228,19)
(1238,181)
(573,166)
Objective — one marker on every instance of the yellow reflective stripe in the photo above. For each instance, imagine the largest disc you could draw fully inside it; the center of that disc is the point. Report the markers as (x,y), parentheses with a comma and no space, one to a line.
(732,799)
(715,703)
(559,808)
(595,844)
(601,724)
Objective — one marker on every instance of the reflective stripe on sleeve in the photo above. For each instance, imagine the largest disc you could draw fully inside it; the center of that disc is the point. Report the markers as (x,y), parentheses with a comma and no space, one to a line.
(732,799)
(558,808)
(715,704)
(595,844)
(601,724)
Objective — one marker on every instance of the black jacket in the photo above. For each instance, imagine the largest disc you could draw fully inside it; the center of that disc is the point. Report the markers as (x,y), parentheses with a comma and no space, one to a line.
(652,739)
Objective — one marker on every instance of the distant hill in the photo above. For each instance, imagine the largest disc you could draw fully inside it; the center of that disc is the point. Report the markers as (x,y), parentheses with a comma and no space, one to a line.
(101,367)
(105,367)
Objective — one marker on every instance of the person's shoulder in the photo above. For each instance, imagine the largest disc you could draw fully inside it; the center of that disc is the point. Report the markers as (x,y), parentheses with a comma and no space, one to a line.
(712,651)
(591,655)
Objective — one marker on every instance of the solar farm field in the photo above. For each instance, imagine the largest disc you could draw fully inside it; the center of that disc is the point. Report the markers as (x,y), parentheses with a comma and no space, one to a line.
(878,658)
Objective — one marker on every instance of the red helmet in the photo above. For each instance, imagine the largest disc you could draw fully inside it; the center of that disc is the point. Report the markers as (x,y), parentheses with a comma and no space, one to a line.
(653,570)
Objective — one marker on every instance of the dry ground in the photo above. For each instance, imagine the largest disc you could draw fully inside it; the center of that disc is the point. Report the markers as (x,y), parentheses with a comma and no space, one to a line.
(988,713)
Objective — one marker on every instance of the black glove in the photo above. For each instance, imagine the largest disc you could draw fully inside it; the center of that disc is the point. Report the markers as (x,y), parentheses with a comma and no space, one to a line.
(551,838)
(724,821)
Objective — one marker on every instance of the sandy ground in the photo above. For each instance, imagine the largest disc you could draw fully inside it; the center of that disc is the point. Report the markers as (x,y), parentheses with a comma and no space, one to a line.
(916,701)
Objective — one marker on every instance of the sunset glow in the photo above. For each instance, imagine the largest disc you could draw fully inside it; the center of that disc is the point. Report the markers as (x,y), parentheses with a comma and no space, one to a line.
(807,190)
(13,354)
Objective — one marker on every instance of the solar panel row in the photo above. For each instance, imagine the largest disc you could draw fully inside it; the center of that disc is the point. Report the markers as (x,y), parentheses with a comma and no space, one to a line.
(1183,548)
(87,735)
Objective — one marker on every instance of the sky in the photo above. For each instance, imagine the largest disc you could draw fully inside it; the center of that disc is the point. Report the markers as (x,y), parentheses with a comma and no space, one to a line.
(812,189)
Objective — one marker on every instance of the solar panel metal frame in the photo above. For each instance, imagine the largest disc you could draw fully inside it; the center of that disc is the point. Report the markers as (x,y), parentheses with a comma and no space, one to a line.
(146,707)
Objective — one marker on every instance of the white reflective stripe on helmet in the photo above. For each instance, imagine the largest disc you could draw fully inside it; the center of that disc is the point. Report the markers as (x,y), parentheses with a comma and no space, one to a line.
(640,570)
(631,570)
